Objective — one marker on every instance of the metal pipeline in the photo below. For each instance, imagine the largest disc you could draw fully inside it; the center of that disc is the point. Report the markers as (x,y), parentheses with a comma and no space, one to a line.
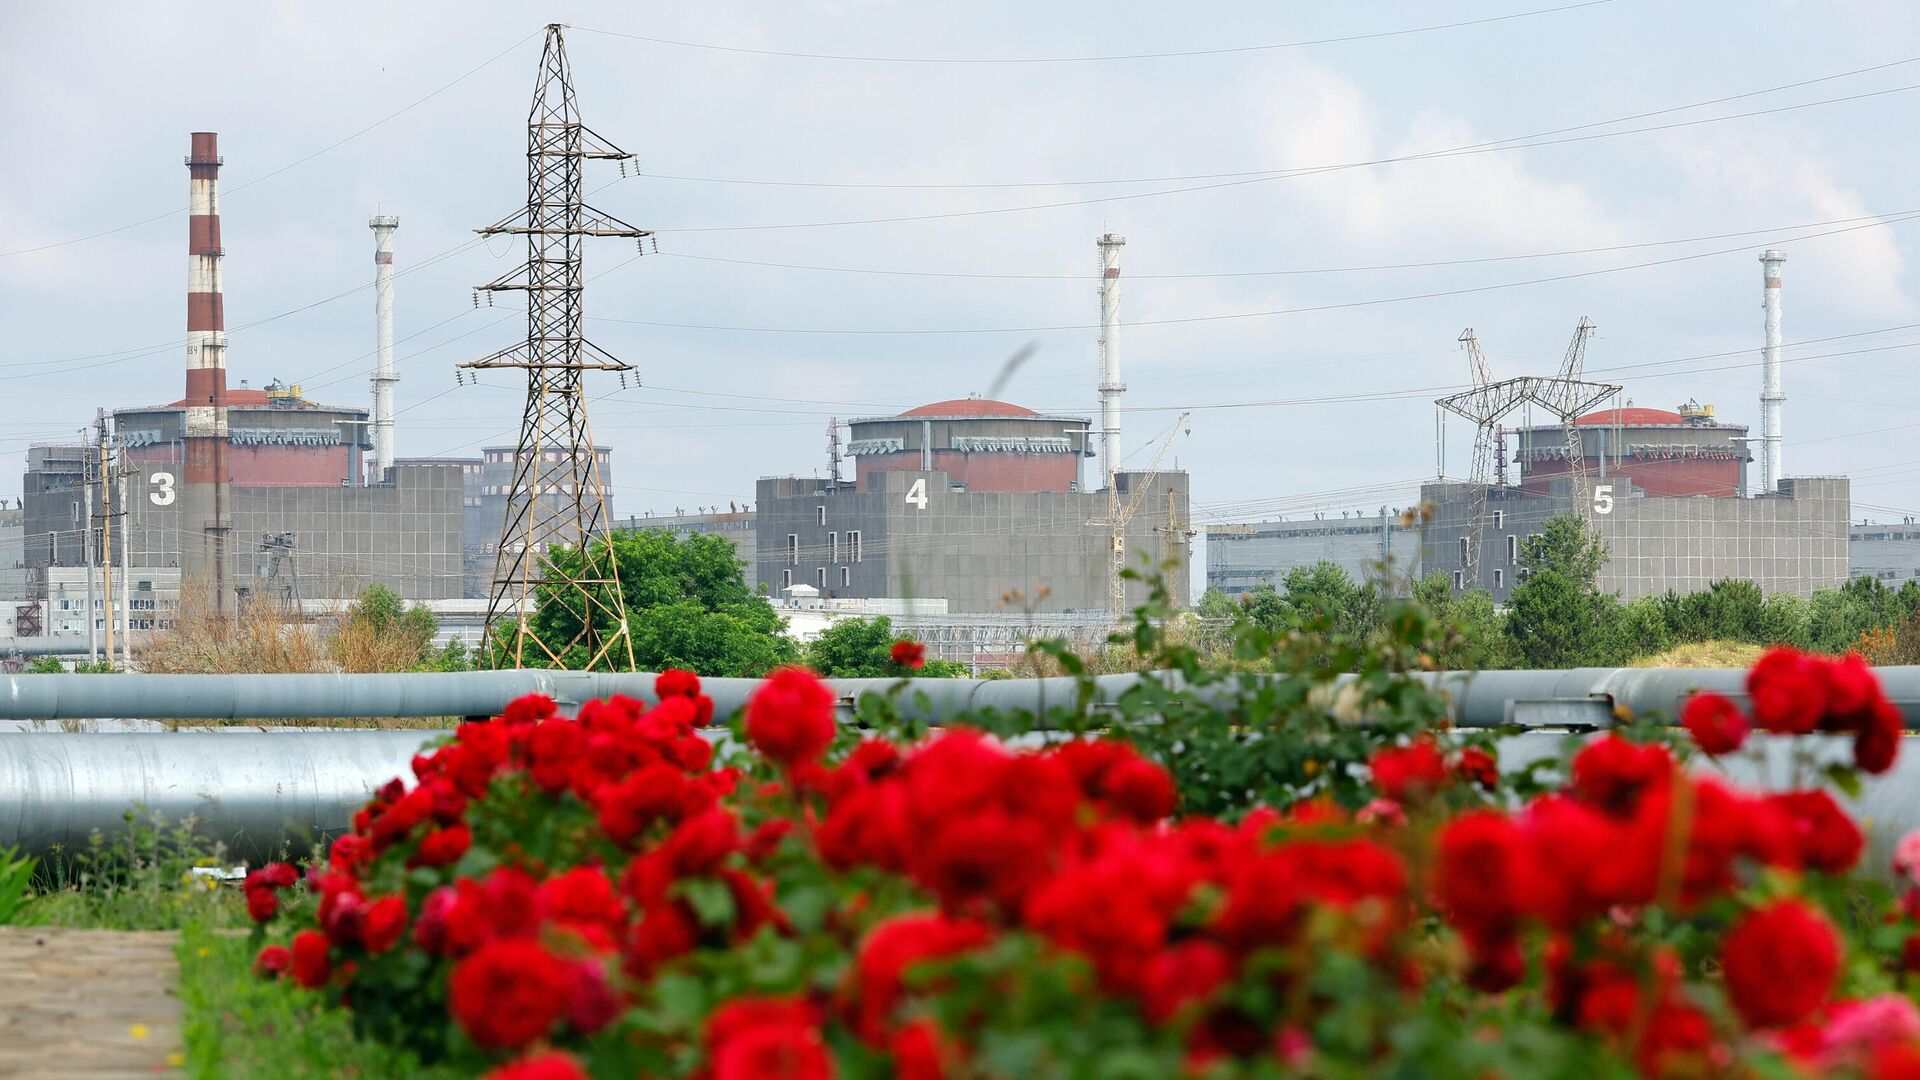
(258,791)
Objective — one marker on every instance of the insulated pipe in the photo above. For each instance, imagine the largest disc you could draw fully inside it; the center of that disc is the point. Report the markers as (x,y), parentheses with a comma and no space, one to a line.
(1585,697)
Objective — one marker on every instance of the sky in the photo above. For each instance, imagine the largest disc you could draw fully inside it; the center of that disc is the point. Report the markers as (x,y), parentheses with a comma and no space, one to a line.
(863,205)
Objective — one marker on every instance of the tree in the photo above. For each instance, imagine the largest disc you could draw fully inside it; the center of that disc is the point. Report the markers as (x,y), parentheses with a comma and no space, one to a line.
(686,607)
(1566,546)
(1215,604)
(863,649)
(1471,635)
(1553,622)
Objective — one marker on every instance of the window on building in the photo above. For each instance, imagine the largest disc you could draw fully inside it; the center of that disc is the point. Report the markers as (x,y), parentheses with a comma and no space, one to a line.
(820,576)
(1456,581)
(853,545)
(1499,519)
(786,579)
(833,547)
(1499,579)
(1464,542)
(846,577)
(1513,549)
(793,548)
(823,513)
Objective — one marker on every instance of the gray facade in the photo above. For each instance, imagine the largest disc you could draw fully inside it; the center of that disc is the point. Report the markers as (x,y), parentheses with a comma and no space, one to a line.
(736,526)
(1793,542)
(1888,552)
(909,533)
(1241,558)
(486,509)
(405,533)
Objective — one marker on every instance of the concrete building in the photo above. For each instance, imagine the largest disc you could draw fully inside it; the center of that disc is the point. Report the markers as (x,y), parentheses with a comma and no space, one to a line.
(736,526)
(1792,542)
(1682,452)
(971,502)
(1241,558)
(1890,553)
(485,507)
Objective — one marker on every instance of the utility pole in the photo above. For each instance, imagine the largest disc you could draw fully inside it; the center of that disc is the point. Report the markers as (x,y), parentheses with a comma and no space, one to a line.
(1176,540)
(126,570)
(86,541)
(106,526)
(556,497)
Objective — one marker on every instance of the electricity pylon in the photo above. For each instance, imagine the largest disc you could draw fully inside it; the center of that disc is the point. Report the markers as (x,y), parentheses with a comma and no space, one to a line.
(556,498)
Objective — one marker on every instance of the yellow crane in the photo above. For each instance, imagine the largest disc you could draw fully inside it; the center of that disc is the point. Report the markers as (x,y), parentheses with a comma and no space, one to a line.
(1118,516)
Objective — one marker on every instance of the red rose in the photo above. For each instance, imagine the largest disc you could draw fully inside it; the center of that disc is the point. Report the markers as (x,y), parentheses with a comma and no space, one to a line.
(552,1065)
(1477,766)
(676,683)
(1825,837)
(1895,1061)
(909,654)
(773,1053)
(583,898)
(311,964)
(382,923)
(273,875)
(790,718)
(443,847)
(1612,774)
(1789,691)
(628,807)
(508,993)
(1140,790)
(528,709)
(666,931)
(591,1004)
(1853,691)
(1410,772)
(1715,722)
(1877,742)
(1486,880)
(430,929)
(919,1052)
(273,962)
(698,845)
(1183,975)
(262,904)
(892,948)
(1780,963)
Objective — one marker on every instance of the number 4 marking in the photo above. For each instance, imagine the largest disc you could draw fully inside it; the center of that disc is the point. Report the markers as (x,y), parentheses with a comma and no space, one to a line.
(917,494)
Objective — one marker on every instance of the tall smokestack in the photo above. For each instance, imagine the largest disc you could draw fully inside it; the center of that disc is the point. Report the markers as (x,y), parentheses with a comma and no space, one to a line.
(203,495)
(1110,385)
(383,376)
(1770,394)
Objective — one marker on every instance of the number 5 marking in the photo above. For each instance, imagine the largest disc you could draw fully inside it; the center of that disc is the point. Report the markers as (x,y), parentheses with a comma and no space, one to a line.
(1603,499)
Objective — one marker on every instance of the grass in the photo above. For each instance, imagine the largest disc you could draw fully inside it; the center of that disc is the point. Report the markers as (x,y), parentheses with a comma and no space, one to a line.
(240,1025)
(1703,654)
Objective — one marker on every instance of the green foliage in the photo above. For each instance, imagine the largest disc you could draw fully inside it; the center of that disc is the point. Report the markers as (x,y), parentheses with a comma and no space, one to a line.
(863,649)
(686,606)
(52,665)
(1470,631)
(140,877)
(1215,604)
(1554,623)
(381,633)
(1566,546)
(46,665)
(16,876)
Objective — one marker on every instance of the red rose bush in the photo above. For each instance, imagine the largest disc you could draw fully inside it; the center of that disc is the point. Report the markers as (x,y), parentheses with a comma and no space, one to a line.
(603,895)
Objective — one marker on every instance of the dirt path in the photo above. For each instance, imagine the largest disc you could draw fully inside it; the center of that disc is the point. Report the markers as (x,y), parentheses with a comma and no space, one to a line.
(88,1003)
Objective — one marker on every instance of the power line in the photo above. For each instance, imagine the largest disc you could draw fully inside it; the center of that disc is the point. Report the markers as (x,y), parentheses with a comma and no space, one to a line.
(397,113)
(1460,151)
(1304,309)
(1222,51)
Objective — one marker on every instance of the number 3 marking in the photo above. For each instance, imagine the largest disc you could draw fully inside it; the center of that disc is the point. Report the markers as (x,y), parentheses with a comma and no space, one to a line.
(162,494)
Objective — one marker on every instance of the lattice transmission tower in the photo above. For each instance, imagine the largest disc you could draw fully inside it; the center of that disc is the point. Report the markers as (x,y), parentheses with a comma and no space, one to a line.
(556,499)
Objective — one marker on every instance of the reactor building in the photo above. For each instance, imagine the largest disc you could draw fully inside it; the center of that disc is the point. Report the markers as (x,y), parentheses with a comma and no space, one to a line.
(976,502)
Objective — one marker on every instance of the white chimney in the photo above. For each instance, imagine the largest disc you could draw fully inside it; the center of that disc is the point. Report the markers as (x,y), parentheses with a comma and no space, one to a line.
(1110,385)
(383,376)
(1770,394)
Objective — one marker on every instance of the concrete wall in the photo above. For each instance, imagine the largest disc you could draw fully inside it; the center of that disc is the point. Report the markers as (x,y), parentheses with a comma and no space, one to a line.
(1793,542)
(1888,552)
(1240,558)
(972,549)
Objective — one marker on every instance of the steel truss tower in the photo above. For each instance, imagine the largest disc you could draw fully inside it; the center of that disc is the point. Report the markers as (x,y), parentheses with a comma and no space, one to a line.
(556,498)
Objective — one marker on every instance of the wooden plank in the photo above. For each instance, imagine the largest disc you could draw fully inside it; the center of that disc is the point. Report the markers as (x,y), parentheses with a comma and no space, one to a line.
(98,1004)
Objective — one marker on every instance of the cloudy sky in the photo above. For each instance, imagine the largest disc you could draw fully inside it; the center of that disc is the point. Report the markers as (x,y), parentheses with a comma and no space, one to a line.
(841,235)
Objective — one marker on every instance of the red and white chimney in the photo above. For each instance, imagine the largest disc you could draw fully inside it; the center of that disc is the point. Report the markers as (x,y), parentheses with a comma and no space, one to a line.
(204,434)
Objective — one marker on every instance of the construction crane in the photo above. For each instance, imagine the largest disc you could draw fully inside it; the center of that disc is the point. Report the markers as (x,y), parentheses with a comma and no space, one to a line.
(1118,516)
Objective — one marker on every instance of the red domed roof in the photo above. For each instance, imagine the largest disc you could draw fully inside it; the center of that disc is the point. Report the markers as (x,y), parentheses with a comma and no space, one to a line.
(1634,417)
(971,407)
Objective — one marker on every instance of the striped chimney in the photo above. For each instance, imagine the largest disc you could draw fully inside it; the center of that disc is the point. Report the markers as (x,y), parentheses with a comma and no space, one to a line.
(204,483)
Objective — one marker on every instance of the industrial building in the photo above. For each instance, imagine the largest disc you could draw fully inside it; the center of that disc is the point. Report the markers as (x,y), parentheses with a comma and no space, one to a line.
(238,492)
(1243,557)
(970,501)
(734,525)
(1888,552)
